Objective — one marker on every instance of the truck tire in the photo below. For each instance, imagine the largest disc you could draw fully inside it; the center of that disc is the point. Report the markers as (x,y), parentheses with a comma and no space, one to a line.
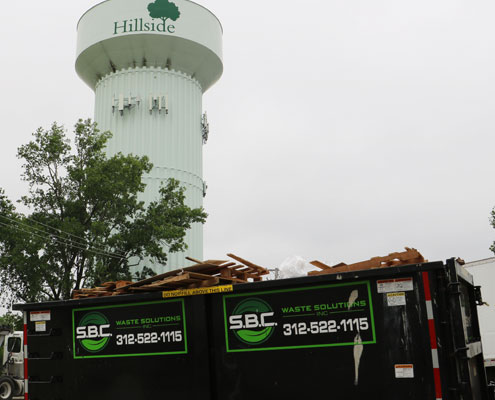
(7,388)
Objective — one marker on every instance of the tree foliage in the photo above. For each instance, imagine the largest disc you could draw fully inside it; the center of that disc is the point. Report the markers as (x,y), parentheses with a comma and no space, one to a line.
(86,224)
(164,9)
(13,321)
(492,223)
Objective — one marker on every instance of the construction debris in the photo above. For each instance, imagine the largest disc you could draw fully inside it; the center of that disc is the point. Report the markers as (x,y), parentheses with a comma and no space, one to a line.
(202,274)
(410,256)
(217,272)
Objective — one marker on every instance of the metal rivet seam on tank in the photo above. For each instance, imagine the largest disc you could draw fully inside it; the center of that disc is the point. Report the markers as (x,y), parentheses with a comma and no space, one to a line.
(106,77)
(182,183)
(180,170)
(150,69)
(195,177)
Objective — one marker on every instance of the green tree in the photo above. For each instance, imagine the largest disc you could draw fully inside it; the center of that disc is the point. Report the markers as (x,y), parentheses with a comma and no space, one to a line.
(85,224)
(164,9)
(492,223)
(13,321)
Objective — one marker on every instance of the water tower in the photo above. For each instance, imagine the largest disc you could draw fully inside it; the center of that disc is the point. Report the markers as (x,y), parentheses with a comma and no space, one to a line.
(149,63)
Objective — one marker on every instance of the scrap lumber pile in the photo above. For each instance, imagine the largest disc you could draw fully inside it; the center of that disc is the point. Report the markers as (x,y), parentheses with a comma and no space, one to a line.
(410,256)
(202,274)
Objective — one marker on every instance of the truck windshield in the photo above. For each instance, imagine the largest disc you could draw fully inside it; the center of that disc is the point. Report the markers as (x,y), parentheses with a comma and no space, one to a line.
(14,345)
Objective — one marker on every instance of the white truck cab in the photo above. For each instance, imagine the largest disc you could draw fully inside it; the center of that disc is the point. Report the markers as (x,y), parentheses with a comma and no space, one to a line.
(483,272)
(11,364)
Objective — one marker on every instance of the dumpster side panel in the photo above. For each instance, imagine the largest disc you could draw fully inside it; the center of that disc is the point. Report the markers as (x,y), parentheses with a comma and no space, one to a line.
(48,353)
(139,353)
(350,339)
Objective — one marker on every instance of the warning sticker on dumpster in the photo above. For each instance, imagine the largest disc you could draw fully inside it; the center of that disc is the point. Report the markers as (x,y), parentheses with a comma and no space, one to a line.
(141,329)
(197,291)
(40,326)
(395,285)
(396,299)
(40,316)
(404,371)
(318,316)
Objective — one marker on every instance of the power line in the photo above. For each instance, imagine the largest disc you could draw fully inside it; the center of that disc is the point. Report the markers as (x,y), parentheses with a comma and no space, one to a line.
(61,242)
(64,243)
(59,239)
(85,242)
(61,231)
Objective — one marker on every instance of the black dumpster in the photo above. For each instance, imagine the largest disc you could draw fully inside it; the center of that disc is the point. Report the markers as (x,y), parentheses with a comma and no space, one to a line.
(138,347)
(407,332)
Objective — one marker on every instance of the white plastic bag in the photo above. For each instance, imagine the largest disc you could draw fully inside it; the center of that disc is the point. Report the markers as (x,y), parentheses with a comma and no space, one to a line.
(293,267)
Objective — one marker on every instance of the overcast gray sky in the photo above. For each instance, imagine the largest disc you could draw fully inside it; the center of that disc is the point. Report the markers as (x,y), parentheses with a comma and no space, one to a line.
(340,130)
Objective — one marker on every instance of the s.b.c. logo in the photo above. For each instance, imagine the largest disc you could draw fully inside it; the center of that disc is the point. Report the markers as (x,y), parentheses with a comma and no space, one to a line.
(92,332)
(252,321)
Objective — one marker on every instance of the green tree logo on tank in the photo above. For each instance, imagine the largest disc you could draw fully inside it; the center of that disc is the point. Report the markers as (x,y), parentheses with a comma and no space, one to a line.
(160,9)
(92,332)
(252,321)
(164,9)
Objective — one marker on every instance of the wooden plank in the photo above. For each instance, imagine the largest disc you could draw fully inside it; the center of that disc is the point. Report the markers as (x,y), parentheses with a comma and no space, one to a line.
(235,280)
(243,268)
(205,283)
(319,264)
(202,268)
(179,284)
(244,275)
(205,268)
(226,273)
(92,293)
(120,284)
(85,290)
(216,262)
(326,271)
(248,263)
(146,289)
(171,279)
(210,282)
(194,260)
(410,256)
(217,270)
(229,264)
(103,294)
(197,275)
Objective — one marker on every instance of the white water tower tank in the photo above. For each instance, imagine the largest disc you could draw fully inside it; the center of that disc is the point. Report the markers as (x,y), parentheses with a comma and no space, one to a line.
(149,63)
